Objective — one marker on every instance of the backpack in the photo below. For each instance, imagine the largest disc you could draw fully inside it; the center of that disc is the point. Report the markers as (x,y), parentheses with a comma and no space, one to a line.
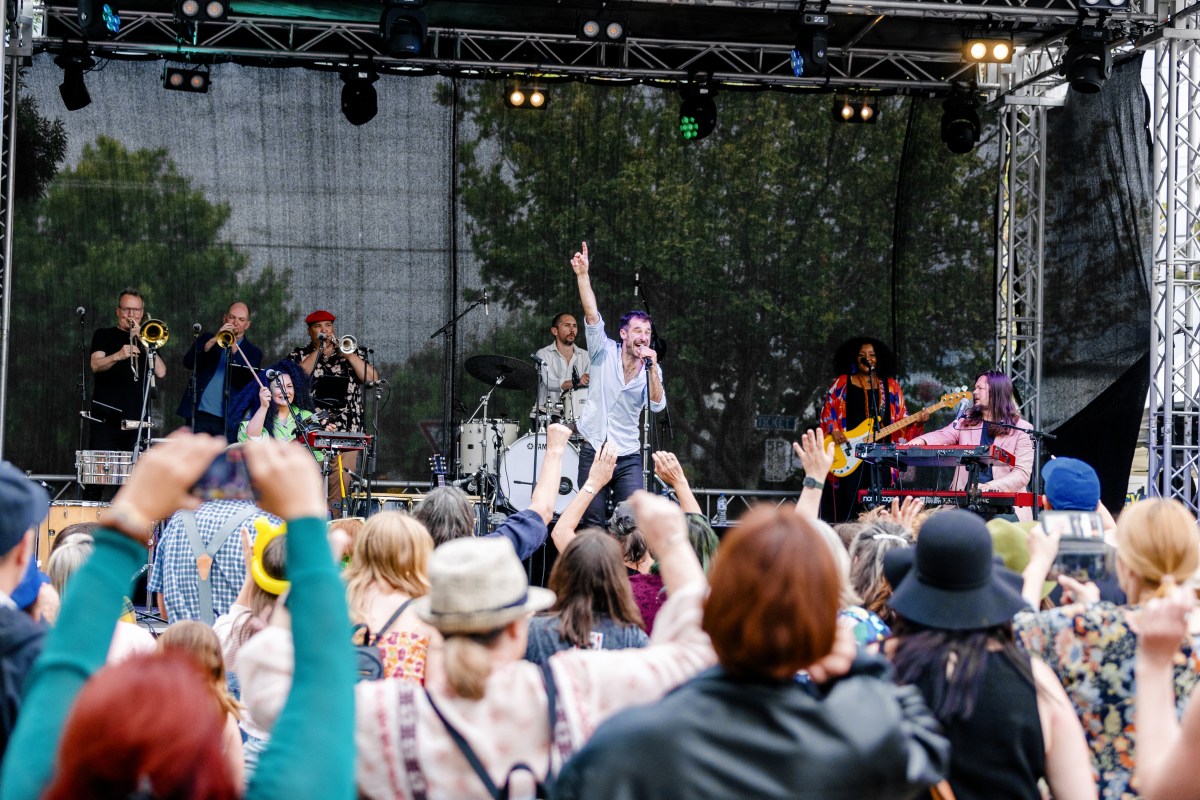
(369,660)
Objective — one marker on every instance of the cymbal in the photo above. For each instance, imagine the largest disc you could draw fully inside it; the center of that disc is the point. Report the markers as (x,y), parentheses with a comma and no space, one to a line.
(517,374)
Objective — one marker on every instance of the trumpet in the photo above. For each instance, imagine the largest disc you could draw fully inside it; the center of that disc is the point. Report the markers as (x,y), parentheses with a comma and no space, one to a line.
(348,344)
(225,339)
(154,333)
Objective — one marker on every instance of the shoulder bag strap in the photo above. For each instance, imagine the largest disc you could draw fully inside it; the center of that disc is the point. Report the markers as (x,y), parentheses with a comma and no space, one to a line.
(390,621)
(466,750)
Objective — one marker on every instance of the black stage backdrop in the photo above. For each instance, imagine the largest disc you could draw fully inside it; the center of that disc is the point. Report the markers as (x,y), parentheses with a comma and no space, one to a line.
(1099,250)
(757,250)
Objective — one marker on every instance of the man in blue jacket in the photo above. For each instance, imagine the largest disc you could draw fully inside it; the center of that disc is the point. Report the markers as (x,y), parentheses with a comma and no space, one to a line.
(219,372)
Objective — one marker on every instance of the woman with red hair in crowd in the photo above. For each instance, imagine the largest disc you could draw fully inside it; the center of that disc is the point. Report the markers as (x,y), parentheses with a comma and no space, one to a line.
(750,727)
(149,727)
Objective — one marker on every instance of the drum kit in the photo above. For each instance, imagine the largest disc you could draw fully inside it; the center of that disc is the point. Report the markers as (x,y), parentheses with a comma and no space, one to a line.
(500,463)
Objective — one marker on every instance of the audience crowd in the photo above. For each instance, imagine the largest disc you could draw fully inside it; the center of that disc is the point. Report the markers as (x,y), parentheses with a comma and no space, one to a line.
(909,653)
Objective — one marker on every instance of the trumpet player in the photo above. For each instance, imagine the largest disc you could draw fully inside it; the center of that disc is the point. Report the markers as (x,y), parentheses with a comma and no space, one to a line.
(118,361)
(338,369)
(222,363)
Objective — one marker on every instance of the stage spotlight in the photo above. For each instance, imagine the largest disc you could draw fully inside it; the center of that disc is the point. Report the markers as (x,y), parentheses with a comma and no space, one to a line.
(856,110)
(810,56)
(179,79)
(960,122)
(1105,5)
(403,28)
(73,91)
(697,113)
(601,30)
(216,10)
(188,9)
(531,98)
(360,103)
(988,50)
(98,20)
(1088,61)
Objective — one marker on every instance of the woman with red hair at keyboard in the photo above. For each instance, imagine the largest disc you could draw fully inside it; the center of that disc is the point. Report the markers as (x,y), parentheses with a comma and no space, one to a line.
(994,402)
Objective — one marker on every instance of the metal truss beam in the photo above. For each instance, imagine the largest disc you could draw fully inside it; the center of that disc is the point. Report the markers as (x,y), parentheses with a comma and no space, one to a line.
(494,53)
(1020,222)
(1175,301)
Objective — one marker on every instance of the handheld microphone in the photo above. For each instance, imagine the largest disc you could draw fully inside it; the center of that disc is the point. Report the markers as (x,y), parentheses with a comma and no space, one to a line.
(197,327)
(81,311)
(272,374)
(486,312)
(647,361)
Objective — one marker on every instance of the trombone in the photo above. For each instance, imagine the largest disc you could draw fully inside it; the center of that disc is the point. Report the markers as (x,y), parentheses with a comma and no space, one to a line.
(153,333)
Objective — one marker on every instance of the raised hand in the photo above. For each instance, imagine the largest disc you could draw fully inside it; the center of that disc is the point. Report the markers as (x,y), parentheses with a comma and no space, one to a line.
(667,467)
(579,261)
(161,482)
(814,458)
(557,436)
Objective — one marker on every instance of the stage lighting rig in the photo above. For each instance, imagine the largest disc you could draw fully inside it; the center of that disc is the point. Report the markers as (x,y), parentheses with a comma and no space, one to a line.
(855,110)
(698,112)
(604,31)
(360,102)
(988,49)
(197,10)
(960,122)
(73,91)
(403,27)
(181,79)
(98,20)
(1088,61)
(810,56)
(531,98)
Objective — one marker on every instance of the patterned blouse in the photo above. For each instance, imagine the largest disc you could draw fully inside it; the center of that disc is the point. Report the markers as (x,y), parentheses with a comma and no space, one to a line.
(404,655)
(833,413)
(350,416)
(1092,650)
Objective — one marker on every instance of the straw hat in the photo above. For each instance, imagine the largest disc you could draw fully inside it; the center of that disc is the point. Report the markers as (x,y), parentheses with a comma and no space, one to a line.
(478,585)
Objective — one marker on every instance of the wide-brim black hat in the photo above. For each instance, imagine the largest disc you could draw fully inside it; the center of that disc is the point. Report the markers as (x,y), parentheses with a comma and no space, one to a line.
(954,584)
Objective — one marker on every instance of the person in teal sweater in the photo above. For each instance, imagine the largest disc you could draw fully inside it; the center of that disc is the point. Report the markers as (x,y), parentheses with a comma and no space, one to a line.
(318,716)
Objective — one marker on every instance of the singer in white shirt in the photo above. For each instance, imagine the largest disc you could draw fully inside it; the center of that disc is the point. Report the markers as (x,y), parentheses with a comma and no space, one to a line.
(621,374)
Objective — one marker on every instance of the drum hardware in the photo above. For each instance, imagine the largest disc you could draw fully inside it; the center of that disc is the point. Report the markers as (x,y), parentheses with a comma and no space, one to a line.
(518,472)
(480,442)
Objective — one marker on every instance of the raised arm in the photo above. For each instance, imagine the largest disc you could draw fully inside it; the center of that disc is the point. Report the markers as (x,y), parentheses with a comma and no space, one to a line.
(580,264)
(816,457)
(598,476)
(667,467)
(546,490)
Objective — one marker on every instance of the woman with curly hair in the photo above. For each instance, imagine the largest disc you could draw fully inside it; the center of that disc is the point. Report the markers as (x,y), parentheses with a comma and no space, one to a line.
(279,408)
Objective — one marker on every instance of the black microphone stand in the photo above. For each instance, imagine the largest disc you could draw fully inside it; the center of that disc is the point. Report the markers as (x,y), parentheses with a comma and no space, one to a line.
(192,377)
(142,427)
(876,412)
(451,331)
(83,368)
(1036,437)
(370,453)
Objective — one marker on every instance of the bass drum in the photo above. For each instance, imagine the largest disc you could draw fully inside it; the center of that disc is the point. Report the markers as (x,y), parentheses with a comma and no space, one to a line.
(521,462)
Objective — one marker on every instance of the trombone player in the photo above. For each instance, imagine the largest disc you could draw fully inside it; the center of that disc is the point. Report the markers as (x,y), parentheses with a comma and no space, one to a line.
(218,362)
(338,369)
(119,365)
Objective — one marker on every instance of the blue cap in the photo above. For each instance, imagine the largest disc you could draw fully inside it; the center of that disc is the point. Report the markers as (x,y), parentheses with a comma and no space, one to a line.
(1071,485)
(23,504)
(31,583)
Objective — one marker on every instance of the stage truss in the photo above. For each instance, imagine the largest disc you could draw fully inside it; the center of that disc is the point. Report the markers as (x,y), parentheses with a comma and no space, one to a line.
(1175,300)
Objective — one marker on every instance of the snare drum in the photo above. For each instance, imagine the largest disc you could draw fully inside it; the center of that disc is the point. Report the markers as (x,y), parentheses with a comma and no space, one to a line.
(517,472)
(477,443)
(61,515)
(103,467)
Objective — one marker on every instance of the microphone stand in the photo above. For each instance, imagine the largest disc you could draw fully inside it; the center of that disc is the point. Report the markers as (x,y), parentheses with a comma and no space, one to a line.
(369,455)
(450,329)
(647,432)
(192,377)
(151,354)
(873,408)
(1036,437)
(83,367)
(227,382)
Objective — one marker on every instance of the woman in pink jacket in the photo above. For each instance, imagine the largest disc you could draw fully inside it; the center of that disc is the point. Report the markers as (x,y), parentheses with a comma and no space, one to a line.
(993,403)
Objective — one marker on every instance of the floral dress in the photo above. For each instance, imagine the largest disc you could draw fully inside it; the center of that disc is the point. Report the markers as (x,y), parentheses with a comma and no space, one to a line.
(404,655)
(1092,649)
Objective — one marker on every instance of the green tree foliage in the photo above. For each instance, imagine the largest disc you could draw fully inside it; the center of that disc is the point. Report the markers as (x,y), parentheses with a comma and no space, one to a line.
(41,147)
(758,249)
(118,218)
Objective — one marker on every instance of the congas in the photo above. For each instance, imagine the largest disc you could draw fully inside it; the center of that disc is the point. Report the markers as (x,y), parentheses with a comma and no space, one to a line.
(103,467)
(520,464)
(477,443)
(61,515)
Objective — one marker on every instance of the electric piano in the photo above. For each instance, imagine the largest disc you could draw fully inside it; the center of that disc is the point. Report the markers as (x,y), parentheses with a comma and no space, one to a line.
(902,456)
(343,441)
(979,502)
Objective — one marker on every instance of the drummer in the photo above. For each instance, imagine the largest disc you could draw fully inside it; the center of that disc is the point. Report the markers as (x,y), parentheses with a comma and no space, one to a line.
(564,368)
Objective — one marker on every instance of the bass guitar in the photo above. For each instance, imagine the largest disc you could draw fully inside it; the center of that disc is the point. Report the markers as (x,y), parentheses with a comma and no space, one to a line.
(844,460)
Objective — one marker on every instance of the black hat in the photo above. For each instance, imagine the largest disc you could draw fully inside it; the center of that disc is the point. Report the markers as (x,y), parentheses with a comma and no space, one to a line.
(954,584)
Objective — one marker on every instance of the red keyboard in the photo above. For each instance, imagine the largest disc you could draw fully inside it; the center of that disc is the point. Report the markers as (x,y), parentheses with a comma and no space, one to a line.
(940,497)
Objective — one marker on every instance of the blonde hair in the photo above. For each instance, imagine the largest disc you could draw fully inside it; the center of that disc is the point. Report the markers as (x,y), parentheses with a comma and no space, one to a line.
(199,641)
(390,551)
(1158,539)
(468,663)
(66,560)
